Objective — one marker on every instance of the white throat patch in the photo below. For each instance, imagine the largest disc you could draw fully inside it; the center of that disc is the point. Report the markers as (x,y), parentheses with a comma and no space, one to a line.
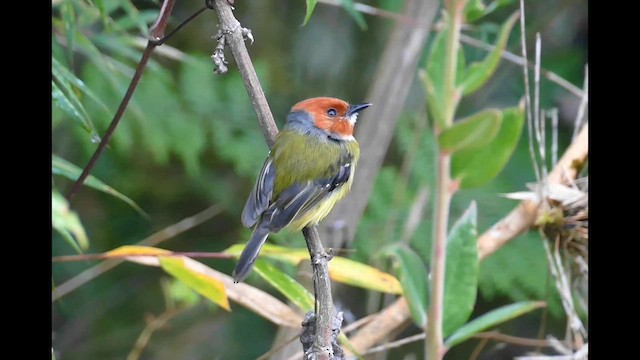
(353,118)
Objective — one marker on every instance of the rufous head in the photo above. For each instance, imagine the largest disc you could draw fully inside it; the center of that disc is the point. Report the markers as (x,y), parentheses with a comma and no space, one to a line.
(332,115)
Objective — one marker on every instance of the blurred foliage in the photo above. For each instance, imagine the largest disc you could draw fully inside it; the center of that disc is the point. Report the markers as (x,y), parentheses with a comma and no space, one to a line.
(190,139)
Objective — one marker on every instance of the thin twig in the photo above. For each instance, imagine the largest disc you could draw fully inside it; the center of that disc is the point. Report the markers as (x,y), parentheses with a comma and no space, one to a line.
(395,344)
(514,340)
(156,32)
(153,325)
(583,103)
(155,239)
(476,352)
(518,60)
(527,92)
(195,255)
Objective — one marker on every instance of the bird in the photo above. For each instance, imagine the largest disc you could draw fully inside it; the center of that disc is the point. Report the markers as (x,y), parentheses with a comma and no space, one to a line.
(309,168)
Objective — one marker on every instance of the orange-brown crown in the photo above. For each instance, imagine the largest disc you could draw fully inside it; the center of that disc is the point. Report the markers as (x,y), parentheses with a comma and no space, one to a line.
(329,114)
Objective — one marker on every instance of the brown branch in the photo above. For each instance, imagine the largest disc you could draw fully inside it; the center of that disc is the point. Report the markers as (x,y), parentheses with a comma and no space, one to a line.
(85,257)
(156,32)
(234,37)
(155,239)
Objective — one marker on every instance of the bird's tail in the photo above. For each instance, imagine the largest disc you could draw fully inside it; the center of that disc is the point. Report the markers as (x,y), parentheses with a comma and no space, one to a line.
(250,253)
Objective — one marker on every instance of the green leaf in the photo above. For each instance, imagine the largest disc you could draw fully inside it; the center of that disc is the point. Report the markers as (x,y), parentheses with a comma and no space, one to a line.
(64,104)
(103,12)
(69,23)
(491,319)
(60,166)
(414,279)
(134,14)
(476,167)
(474,10)
(433,103)
(62,74)
(433,79)
(285,284)
(311,5)
(349,7)
(354,273)
(472,132)
(462,267)
(212,289)
(478,73)
(67,222)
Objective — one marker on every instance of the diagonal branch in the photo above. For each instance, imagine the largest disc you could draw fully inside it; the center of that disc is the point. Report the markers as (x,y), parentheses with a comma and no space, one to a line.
(233,33)
(156,32)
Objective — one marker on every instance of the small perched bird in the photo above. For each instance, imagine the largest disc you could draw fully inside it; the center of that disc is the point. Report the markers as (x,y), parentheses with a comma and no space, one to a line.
(309,169)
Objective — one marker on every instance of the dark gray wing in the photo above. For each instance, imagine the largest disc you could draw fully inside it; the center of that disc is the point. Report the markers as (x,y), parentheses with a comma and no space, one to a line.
(297,199)
(258,200)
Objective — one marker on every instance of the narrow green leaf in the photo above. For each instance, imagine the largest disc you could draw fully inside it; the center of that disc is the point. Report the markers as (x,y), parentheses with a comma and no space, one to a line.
(491,319)
(472,132)
(285,284)
(67,222)
(461,277)
(474,10)
(476,167)
(478,73)
(64,104)
(134,14)
(60,166)
(103,12)
(311,5)
(69,22)
(349,7)
(414,279)
(211,288)
(434,106)
(434,77)
(61,73)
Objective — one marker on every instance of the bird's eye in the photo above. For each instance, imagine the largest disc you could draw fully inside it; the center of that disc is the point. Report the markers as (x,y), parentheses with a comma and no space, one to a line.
(332,112)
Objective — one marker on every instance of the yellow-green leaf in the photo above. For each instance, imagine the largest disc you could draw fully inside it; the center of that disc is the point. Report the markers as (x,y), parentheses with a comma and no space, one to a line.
(285,284)
(354,273)
(476,167)
(67,222)
(414,279)
(60,166)
(206,286)
(288,255)
(478,73)
(472,132)
(340,269)
(311,4)
(144,255)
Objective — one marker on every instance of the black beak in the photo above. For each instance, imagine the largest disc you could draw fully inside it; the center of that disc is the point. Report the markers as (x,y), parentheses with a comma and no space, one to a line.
(357,108)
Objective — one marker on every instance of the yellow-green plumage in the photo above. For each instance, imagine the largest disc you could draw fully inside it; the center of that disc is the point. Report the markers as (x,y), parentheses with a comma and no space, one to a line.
(310,168)
(299,158)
